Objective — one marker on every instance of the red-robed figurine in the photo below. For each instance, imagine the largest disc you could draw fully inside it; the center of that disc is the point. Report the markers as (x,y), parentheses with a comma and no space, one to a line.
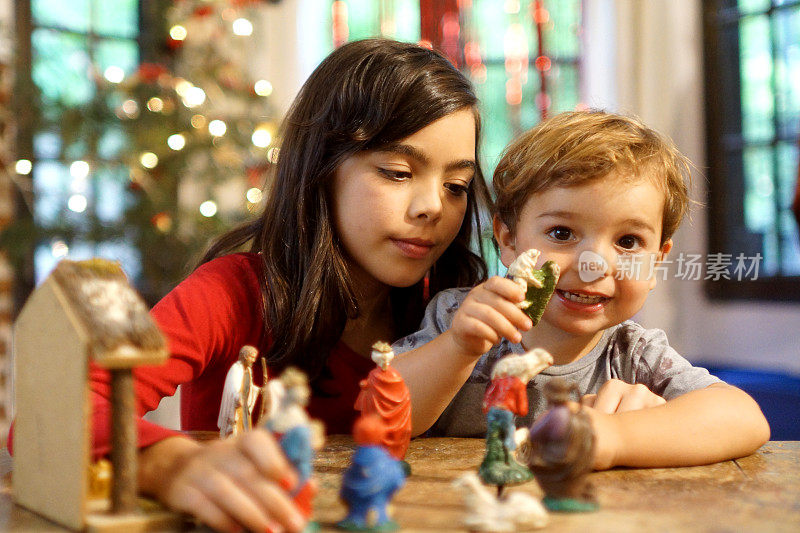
(385,394)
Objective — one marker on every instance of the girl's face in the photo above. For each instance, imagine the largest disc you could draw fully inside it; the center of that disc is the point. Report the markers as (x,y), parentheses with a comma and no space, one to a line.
(397,209)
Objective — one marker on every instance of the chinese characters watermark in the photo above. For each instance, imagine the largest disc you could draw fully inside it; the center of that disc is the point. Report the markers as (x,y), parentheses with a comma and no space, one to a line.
(686,266)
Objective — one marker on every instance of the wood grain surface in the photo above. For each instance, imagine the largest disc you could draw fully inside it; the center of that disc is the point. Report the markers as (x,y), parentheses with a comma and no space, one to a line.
(760,492)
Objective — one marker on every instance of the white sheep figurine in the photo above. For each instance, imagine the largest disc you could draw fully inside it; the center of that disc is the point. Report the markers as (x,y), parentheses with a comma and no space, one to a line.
(517,511)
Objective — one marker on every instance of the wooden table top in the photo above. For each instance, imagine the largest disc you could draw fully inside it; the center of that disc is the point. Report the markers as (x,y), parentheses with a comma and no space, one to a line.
(760,492)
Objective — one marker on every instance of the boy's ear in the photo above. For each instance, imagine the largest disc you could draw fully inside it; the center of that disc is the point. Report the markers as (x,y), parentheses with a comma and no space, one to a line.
(662,254)
(665,249)
(505,241)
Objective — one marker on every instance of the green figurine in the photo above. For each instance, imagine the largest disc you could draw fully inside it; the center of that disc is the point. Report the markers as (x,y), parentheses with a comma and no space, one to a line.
(539,284)
(506,396)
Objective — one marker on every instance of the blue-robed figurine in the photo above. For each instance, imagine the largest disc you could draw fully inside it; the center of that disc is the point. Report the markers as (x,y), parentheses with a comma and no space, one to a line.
(371,480)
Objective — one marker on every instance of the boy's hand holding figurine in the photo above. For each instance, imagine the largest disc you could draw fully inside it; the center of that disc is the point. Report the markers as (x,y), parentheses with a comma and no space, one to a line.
(489,313)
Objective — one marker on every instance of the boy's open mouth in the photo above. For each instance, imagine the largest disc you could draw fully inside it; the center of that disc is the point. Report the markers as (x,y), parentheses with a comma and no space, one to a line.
(581,298)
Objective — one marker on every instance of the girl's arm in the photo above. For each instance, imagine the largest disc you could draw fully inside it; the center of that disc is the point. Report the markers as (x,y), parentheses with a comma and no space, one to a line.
(228,484)
(717,423)
(435,371)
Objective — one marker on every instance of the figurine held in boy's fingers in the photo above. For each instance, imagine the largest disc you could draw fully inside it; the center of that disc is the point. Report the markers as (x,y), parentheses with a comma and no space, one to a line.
(371,480)
(539,284)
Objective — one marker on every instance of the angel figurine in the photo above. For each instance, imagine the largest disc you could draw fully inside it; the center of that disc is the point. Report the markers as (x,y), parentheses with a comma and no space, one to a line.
(238,395)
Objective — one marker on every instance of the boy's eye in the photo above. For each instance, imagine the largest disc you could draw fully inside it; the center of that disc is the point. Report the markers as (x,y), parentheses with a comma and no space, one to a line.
(629,242)
(457,189)
(396,175)
(560,233)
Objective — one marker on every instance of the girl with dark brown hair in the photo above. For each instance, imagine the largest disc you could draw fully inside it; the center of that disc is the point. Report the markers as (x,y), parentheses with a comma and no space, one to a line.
(373,205)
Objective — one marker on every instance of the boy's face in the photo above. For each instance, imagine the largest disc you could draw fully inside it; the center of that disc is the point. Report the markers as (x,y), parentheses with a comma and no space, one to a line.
(612,220)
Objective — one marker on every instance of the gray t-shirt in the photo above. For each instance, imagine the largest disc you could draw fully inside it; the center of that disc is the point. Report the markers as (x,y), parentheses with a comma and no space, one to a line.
(626,351)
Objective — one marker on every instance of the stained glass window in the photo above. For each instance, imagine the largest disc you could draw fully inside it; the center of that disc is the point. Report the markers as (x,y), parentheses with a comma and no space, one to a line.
(351,20)
(522,55)
(753,99)
(524,47)
(72,43)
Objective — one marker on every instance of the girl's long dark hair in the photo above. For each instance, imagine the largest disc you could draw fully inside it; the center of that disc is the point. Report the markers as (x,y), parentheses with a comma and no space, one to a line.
(363,95)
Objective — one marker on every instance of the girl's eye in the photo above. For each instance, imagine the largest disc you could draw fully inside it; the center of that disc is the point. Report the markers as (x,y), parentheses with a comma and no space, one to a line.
(396,175)
(560,233)
(629,242)
(457,189)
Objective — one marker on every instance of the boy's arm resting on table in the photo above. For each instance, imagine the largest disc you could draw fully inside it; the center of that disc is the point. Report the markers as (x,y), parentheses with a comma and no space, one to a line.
(716,423)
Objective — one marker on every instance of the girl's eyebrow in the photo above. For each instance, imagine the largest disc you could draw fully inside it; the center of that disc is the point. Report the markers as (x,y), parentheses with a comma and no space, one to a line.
(415,153)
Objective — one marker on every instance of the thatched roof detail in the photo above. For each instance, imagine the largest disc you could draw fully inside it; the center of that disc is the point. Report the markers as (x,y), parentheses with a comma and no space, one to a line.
(114,315)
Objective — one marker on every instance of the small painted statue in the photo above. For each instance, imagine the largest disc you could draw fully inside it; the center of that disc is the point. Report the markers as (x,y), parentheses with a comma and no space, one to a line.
(515,511)
(385,394)
(561,451)
(506,396)
(238,395)
(538,284)
(371,480)
(298,436)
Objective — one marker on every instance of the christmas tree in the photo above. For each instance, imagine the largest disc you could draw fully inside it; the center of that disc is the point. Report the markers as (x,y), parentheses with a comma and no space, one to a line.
(198,142)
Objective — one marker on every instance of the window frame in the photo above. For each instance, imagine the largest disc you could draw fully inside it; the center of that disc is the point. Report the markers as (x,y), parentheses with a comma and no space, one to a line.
(723,86)
(149,20)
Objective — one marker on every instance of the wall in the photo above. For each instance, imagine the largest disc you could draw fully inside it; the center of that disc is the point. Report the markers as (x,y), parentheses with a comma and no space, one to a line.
(659,78)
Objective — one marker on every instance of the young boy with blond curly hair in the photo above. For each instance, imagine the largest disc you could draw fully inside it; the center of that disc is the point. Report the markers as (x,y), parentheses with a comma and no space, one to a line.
(603,187)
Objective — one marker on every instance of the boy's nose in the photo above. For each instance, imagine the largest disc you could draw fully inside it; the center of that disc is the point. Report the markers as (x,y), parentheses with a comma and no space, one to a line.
(592,266)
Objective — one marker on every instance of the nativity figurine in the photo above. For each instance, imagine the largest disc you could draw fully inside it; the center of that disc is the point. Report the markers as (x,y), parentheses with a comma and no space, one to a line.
(239,395)
(538,284)
(507,397)
(385,394)
(515,511)
(560,450)
(371,480)
(299,436)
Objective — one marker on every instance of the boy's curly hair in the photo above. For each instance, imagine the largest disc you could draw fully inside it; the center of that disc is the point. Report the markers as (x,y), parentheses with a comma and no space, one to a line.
(576,147)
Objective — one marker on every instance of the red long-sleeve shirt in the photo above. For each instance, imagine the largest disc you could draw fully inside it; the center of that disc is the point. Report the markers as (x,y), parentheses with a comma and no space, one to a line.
(207,319)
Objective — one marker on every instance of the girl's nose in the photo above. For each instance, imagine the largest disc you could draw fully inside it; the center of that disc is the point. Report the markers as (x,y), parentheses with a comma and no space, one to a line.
(426,202)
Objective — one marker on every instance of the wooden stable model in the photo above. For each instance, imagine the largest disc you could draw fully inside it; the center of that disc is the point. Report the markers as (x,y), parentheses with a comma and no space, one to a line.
(83,311)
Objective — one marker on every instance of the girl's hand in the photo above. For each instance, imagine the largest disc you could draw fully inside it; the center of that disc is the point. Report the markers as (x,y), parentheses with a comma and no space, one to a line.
(229,484)
(489,313)
(616,396)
